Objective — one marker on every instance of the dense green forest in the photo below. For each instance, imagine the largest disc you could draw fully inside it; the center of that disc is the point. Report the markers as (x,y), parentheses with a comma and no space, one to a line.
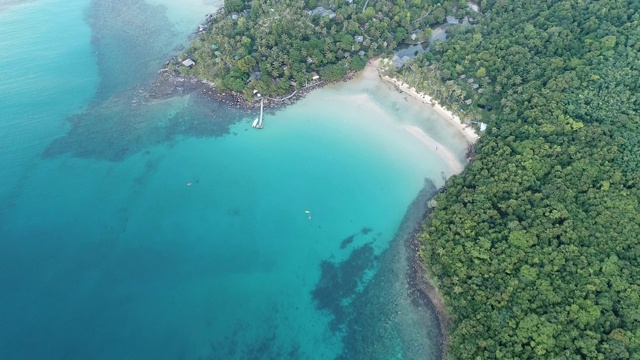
(275,46)
(536,245)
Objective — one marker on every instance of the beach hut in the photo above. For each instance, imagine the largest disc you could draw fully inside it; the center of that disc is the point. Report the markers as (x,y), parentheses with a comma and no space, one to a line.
(188,63)
(315,76)
(323,12)
(358,38)
(468,101)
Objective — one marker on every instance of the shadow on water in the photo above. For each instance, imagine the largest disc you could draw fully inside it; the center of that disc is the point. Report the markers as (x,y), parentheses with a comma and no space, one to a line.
(132,39)
(387,318)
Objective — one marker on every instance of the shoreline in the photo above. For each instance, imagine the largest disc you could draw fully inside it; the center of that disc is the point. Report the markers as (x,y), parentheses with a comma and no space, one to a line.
(420,283)
(469,133)
(170,83)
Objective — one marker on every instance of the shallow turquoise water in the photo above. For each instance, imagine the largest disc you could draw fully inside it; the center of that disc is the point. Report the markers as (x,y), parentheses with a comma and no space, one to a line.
(106,253)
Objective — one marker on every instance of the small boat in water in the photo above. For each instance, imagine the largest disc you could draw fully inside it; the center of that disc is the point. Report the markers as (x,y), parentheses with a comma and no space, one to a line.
(255,123)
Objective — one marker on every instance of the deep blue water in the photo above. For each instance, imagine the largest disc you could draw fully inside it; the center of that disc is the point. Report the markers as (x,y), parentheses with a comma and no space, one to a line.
(281,247)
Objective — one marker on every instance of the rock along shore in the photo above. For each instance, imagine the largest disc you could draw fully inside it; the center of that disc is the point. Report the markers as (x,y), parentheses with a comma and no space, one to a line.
(170,83)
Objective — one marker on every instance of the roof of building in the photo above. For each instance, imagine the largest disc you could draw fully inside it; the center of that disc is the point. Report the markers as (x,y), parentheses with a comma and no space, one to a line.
(188,63)
(323,12)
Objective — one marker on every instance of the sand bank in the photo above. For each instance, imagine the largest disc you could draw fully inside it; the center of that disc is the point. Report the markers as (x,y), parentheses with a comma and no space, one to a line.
(454,164)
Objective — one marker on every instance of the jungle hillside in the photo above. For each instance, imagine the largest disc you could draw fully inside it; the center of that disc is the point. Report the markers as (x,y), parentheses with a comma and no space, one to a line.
(275,47)
(536,245)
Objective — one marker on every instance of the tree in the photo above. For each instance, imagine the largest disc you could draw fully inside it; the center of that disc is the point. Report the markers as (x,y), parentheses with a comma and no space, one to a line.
(233,6)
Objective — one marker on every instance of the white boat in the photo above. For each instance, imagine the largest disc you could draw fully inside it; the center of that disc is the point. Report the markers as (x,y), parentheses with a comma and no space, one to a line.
(255,123)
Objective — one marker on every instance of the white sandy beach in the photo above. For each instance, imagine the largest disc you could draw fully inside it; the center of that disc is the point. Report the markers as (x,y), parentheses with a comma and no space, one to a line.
(454,163)
(467,131)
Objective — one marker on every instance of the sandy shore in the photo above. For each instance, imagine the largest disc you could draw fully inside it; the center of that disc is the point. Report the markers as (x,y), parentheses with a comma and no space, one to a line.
(453,163)
(467,131)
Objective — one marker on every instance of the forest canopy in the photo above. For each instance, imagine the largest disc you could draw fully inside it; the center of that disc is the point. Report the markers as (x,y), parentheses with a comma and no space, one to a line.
(276,46)
(536,245)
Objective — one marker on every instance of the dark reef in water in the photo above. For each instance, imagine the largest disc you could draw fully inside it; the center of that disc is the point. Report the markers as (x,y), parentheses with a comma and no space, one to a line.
(366,230)
(130,122)
(369,314)
(237,345)
(127,58)
(339,282)
(134,107)
(347,241)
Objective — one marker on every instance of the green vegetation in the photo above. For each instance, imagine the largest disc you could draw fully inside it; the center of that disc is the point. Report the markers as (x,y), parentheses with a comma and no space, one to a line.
(270,45)
(536,245)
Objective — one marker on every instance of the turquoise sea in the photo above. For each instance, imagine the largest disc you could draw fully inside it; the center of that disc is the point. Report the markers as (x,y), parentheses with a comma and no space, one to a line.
(133,228)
